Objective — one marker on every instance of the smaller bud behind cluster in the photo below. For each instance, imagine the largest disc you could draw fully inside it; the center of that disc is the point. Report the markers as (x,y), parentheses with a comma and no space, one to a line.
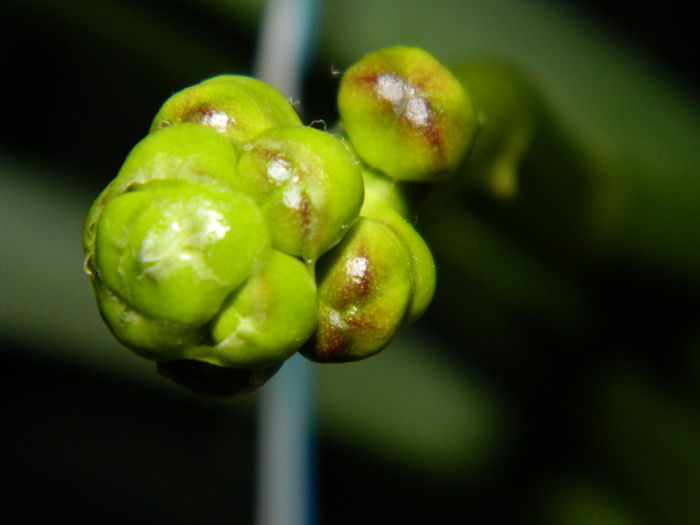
(509,112)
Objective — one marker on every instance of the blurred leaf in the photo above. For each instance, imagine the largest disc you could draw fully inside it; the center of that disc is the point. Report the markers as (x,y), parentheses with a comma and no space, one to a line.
(651,437)
(575,502)
(405,406)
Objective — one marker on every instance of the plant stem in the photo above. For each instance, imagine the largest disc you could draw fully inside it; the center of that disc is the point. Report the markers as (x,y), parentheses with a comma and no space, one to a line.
(285,457)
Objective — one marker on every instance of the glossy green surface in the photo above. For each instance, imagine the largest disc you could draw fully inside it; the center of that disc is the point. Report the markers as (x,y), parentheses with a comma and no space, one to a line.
(421,260)
(267,320)
(309,187)
(176,252)
(237,106)
(382,192)
(203,250)
(147,337)
(406,114)
(365,289)
(185,152)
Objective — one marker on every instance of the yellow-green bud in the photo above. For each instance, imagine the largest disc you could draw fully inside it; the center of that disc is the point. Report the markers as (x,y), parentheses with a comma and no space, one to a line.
(365,287)
(422,263)
(309,187)
(266,320)
(174,252)
(238,107)
(405,114)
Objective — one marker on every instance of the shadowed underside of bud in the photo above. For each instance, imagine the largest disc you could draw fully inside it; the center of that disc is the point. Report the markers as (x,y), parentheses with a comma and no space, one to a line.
(406,114)
(149,338)
(217,381)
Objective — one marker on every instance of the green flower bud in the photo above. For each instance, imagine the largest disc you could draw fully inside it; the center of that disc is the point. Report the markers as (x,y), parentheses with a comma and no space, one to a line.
(382,192)
(149,338)
(265,321)
(406,114)
(176,250)
(211,380)
(508,110)
(365,287)
(185,152)
(308,185)
(422,263)
(236,106)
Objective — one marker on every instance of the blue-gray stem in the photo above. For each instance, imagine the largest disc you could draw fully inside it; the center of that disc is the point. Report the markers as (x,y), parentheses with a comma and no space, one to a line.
(287,411)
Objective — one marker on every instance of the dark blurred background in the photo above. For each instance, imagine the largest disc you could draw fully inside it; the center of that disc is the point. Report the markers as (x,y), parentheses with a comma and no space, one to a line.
(554,379)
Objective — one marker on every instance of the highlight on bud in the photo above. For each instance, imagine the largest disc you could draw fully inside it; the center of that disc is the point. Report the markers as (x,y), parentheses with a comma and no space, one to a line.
(406,114)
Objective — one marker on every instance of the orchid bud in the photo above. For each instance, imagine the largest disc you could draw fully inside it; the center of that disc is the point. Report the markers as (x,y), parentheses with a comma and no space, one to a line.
(406,114)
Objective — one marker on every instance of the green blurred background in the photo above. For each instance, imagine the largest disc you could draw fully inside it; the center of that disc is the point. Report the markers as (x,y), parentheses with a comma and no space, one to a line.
(554,379)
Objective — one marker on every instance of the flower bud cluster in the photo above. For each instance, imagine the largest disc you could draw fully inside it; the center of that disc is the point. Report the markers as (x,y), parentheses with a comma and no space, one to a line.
(233,236)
